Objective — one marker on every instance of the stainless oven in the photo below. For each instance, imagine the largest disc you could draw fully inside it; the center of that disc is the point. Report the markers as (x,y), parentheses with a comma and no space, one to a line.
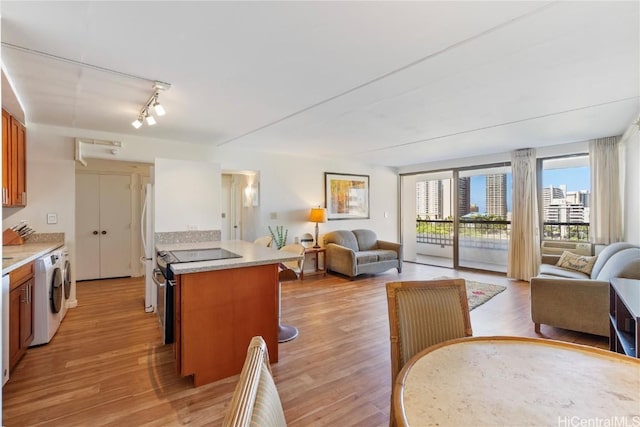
(163,278)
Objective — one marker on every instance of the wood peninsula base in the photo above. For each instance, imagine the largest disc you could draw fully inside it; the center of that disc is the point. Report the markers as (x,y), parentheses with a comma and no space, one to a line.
(217,313)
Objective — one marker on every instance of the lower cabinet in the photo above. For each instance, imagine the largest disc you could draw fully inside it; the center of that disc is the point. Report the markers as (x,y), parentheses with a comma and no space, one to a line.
(20,312)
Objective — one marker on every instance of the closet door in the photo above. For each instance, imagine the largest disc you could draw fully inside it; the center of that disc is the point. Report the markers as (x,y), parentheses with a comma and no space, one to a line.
(103,226)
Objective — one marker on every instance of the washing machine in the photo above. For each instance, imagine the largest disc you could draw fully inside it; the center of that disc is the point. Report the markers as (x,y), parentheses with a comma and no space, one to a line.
(48,297)
(65,261)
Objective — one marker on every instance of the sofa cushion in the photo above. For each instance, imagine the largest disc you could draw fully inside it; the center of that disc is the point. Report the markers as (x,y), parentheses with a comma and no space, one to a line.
(581,263)
(547,270)
(607,253)
(624,263)
(386,254)
(367,239)
(366,257)
(343,238)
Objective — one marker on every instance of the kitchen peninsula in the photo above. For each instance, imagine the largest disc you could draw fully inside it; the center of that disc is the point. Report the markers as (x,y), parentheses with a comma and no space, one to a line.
(219,305)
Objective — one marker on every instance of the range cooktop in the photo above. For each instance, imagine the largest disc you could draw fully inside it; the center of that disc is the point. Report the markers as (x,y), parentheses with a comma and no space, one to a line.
(192,255)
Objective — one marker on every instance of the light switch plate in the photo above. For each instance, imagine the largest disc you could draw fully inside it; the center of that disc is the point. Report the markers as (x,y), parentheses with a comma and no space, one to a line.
(52,218)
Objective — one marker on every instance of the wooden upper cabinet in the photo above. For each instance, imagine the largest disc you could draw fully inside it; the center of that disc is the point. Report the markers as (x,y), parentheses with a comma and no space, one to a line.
(14,161)
(6,123)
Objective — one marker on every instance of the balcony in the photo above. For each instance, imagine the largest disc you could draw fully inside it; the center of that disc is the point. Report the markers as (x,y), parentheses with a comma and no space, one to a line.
(482,243)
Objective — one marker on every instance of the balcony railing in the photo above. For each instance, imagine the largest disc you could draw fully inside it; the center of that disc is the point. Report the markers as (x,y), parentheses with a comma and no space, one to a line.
(576,231)
(486,233)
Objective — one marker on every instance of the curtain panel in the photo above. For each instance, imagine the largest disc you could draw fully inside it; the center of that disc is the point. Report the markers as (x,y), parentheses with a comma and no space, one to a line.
(605,213)
(524,242)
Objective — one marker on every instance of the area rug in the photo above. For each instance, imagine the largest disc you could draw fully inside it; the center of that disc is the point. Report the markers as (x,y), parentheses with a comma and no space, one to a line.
(477,292)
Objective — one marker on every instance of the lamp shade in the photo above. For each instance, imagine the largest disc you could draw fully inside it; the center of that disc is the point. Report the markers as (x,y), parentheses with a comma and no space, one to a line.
(318,215)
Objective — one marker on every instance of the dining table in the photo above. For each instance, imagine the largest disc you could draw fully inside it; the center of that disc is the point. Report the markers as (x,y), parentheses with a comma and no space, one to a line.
(517,381)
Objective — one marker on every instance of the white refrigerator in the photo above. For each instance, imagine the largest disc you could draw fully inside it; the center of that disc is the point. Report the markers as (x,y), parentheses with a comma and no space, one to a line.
(148,247)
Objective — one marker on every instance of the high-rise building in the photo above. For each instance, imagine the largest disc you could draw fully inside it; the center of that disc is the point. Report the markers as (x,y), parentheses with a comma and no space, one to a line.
(421,199)
(552,194)
(434,199)
(496,195)
(464,196)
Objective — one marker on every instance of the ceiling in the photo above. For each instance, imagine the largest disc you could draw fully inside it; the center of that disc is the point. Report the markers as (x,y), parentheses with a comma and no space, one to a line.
(387,83)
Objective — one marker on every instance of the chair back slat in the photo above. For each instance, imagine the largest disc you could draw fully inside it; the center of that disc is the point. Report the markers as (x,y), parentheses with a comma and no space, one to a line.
(255,401)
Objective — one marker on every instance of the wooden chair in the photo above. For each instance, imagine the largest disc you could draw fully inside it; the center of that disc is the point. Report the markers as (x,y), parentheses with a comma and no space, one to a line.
(421,314)
(264,241)
(255,400)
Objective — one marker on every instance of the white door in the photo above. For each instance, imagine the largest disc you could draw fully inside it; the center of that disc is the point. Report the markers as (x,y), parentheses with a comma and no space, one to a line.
(103,226)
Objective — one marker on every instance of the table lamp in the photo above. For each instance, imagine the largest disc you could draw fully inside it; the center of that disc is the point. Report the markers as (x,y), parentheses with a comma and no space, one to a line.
(318,215)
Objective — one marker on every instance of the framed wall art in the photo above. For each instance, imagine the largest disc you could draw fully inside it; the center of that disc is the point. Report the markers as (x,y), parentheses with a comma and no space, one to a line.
(346,196)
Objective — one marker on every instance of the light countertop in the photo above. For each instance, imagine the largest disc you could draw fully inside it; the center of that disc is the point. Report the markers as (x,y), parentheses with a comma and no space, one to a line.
(251,253)
(19,255)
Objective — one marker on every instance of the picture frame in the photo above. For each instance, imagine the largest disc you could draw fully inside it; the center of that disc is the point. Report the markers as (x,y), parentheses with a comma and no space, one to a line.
(346,196)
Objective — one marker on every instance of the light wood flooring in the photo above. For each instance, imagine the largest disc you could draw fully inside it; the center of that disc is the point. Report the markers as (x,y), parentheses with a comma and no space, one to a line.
(106,366)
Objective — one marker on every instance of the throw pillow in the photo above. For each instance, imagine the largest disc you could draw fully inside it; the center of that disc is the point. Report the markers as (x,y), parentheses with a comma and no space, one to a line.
(581,263)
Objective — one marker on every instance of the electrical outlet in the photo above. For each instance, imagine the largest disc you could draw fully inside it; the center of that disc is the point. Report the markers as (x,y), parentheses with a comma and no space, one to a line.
(52,218)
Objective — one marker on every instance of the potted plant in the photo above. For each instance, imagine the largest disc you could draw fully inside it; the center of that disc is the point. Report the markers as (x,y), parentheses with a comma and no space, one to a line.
(279,236)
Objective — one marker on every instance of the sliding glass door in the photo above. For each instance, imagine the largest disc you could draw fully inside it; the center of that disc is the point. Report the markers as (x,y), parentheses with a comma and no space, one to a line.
(458,218)
(428,218)
(484,218)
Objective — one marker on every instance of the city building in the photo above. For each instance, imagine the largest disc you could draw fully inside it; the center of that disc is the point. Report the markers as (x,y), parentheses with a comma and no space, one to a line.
(496,196)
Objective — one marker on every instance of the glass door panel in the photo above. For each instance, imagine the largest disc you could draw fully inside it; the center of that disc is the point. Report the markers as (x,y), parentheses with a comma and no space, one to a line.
(484,217)
(433,218)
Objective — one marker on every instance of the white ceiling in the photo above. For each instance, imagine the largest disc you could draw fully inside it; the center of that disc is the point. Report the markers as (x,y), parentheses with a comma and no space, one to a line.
(389,83)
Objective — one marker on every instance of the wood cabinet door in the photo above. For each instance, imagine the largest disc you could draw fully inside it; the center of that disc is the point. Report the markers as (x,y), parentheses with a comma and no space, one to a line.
(6,122)
(20,172)
(26,315)
(15,302)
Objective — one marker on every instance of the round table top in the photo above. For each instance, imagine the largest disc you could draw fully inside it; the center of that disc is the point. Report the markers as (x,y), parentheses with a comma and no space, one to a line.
(517,381)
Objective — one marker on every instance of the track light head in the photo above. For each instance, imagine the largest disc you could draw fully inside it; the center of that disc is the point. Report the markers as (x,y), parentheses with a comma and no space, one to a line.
(150,119)
(158,108)
(137,122)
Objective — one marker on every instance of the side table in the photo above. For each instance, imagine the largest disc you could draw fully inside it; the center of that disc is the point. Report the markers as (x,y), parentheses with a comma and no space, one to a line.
(317,252)
(624,315)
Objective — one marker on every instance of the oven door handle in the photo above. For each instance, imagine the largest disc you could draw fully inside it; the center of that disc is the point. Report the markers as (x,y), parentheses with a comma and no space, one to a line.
(157,272)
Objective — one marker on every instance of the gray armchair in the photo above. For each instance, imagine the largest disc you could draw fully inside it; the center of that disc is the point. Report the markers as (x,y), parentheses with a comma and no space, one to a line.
(360,252)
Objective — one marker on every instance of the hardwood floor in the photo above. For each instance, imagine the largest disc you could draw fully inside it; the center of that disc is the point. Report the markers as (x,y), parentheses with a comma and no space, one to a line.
(106,366)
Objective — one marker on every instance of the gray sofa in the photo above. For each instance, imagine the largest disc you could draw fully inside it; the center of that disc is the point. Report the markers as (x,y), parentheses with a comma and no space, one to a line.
(360,252)
(573,300)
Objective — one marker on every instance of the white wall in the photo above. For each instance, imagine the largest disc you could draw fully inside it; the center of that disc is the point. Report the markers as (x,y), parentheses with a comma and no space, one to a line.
(187,195)
(291,186)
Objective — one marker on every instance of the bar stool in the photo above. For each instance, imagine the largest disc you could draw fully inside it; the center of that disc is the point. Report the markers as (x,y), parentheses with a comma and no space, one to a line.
(289,271)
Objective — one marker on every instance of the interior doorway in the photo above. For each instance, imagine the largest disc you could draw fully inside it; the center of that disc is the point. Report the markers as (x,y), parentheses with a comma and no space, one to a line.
(240,205)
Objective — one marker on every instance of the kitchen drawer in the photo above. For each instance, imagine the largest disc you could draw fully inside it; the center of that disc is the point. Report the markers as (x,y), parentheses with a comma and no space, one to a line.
(20,274)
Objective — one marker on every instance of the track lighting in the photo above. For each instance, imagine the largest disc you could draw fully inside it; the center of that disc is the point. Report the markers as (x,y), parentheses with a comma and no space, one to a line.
(152,104)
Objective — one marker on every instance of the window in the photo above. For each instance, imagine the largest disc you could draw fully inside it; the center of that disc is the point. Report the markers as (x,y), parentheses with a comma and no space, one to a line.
(566,198)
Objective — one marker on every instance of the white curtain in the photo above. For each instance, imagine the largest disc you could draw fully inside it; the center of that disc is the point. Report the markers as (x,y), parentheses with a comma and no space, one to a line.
(605,213)
(524,243)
